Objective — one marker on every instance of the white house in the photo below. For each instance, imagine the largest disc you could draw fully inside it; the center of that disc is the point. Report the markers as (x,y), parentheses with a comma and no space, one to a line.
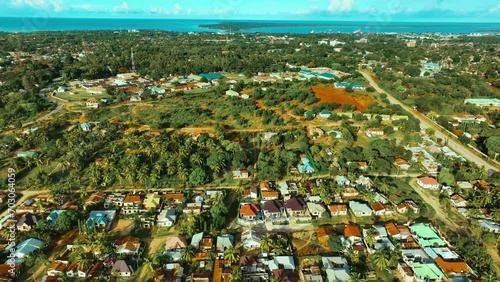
(232,93)
(457,201)
(250,239)
(124,268)
(315,209)
(92,103)
(360,209)
(167,217)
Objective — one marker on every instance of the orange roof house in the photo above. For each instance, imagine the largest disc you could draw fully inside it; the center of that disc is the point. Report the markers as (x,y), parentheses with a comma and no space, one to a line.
(352,231)
(249,211)
(452,266)
(132,198)
(270,195)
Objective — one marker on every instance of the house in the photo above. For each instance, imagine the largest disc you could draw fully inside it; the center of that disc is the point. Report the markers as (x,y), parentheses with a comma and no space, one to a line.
(382,209)
(457,201)
(337,269)
(398,232)
(464,185)
(315,209)
(250,192)
(405,206)
(240,174)
(281,262)
(325,114)
(28,154)
(57,268)
(274,209)
(101,220)
(426,235)
(489,225)
(131,204)
(250,239)
(309,114)
(352,233)
(175,243)
(86,126)
(128,246)
(232,93)
(355,86)
(350,192)
(124,268)
(250,212)
(428,182)
(12,271)
(74,271)
(194,208)
(426,272)
(296,207)
(114,200)
(337,209)
(27,222)
(360,209)
(135,98)
(92,103)
(374,132)
(175,198)
(152,202)
(270,195)
(452,266)
(483,102)
(224,242)
(167,217)
(311,274)
(26,247)
(402,164)
(406,272)
(342,180)
(158,90)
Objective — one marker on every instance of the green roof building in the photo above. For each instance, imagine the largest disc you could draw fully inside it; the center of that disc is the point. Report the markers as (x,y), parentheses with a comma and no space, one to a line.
(427,236)
(427,271)
(211,76)
(28,154)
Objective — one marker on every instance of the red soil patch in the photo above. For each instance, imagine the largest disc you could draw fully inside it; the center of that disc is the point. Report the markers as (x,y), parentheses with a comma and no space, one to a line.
(260,104)
(246,91)
(339,96)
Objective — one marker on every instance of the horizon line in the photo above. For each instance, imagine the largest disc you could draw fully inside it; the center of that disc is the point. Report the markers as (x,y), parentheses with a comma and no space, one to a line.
(249,19)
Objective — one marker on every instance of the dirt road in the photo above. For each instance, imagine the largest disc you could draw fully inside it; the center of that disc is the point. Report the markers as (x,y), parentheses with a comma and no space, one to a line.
(425,123)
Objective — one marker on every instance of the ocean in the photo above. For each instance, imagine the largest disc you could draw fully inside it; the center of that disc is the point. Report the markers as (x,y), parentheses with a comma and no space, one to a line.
(29,24)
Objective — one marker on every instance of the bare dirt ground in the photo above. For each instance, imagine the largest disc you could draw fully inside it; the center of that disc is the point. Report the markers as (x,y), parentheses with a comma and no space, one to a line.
(123,227)
(340,96)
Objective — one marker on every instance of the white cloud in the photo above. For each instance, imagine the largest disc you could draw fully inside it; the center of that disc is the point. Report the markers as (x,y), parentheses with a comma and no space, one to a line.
(121,8)
(341,5)
(54,5)
(177,8)
(495,9)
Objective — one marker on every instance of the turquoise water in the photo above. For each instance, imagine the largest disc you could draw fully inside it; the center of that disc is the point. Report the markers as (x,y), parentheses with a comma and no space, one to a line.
(29,24)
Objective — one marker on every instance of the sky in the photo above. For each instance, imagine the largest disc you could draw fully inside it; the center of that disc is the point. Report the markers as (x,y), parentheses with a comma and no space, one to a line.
(327,10)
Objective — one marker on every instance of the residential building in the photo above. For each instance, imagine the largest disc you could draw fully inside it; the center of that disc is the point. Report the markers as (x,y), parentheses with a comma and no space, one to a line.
(337,209)
(457,201)
(274,209)
(399,232)
(175,198)
(101,220)
(483,102)
(114,200)
(124,268)
(281,262)
(489,225)
(240,174)
(224,242)
(402,164)
(311,274)
(250,212)
(26,247)
(57,268)
(296,207)
(153,201)
(27,222)
(405,206)
(426,235)
(250,192)
(428,182)
(129,246)
(132,203)
(232,93)
(337,269)
(250,239)
(270,195)
(167,217)
(360,209)
(374,132)
(426,272)
(315,209)
(381,209)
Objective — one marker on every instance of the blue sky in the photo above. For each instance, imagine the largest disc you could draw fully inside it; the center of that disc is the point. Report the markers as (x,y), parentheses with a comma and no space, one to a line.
(354,10)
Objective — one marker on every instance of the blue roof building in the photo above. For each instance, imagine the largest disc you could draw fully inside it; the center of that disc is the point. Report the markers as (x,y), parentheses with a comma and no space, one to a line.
(27,246)
(86,126)
(101,219)
(211,76)
(54,215)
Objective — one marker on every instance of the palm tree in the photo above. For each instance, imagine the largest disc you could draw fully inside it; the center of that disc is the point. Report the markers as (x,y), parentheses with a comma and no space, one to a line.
(232,254)
(83,263)
(236,275)
(381,259)
(187,254)
(265,242)
(357,277)
(384,188)
(279,248)
(148,266)
(370,237)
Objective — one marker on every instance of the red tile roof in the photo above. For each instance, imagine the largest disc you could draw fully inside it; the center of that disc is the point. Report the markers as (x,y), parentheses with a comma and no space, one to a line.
(451,266)
(428,180)
(249,209)
(352,231)
(337,208)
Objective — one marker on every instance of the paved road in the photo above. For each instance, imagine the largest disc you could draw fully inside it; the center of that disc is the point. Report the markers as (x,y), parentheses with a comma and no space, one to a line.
(425,123)
(60,106)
